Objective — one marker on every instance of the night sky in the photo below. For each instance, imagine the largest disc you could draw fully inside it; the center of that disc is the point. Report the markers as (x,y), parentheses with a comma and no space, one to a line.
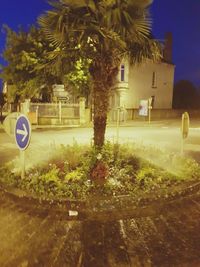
(182,18)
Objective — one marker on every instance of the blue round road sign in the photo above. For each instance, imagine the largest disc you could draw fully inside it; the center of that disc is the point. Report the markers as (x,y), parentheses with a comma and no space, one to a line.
(22,132)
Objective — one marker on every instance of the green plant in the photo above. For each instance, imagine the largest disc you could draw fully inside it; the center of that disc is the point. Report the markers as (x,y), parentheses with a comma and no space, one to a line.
(74,176)
(114,170)
(7,177)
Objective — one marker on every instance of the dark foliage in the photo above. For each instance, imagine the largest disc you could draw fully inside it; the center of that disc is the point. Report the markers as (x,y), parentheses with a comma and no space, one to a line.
(185,95)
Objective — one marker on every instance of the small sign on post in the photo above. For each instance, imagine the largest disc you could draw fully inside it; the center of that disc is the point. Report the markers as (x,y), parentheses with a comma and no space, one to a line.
(143,107)
(184,128)
(22,138)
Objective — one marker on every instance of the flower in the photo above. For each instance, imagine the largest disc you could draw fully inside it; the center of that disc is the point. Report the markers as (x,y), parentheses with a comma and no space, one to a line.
(99,156)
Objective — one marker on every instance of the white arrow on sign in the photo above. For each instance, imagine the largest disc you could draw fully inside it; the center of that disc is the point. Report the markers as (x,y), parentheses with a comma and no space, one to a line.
(23,132)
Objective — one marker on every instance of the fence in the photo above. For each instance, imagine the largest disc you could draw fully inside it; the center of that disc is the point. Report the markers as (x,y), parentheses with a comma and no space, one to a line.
(54,113)
(117,114)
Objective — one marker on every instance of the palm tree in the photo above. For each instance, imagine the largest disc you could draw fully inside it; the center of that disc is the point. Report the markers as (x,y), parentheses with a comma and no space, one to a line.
(2,103)
(105,32)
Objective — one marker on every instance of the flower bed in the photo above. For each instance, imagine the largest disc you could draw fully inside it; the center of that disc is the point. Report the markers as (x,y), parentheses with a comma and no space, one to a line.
(80,172)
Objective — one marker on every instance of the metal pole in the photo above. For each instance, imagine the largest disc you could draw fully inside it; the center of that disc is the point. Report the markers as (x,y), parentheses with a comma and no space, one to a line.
(37,115)
(149,114)
(182,145)
(118,118)
(60,112)
(22,159)
(150,107)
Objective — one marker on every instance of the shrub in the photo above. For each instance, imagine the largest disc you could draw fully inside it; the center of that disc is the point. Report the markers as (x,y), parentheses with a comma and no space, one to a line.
(74,176)
(7,177)
(80,171)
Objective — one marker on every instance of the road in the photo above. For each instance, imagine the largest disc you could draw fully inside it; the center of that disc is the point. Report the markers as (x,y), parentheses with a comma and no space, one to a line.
(160,135)
(31,237)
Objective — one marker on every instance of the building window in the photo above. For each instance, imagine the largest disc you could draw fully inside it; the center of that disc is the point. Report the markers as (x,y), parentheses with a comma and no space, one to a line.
(122,73)
(154,80)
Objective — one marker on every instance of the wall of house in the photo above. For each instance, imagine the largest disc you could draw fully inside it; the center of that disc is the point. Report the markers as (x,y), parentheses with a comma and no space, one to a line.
(142,86)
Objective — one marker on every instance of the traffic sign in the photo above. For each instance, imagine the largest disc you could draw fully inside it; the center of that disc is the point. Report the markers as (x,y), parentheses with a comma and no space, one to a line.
(10,122)
(185,124)
(22,132)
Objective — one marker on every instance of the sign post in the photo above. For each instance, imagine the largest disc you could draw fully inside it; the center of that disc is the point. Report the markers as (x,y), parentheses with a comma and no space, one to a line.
(184,129)
(22,138)
(149,108)
(22,161)
(118,121)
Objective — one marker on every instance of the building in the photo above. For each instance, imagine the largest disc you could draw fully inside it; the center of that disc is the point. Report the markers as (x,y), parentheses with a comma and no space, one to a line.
(149,80)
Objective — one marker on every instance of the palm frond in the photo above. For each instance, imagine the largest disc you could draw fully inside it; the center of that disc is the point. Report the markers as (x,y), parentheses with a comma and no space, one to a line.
(149,49)
(123,26)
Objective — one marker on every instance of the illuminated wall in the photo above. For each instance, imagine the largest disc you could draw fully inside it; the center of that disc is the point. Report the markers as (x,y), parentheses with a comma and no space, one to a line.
(142,82)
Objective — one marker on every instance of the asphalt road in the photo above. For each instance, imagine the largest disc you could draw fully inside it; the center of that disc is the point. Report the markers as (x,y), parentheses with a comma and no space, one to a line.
(42,238)
(160,135)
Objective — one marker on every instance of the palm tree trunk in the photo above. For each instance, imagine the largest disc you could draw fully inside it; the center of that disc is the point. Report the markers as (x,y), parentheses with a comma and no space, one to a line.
(101,104)
(103,73)
(1,114)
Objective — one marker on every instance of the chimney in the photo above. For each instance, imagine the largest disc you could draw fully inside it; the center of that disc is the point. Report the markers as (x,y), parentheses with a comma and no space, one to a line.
(167,52)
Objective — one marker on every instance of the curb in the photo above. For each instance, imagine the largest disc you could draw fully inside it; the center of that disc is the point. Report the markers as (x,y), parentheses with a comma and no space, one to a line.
(103,208)
(62,127)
